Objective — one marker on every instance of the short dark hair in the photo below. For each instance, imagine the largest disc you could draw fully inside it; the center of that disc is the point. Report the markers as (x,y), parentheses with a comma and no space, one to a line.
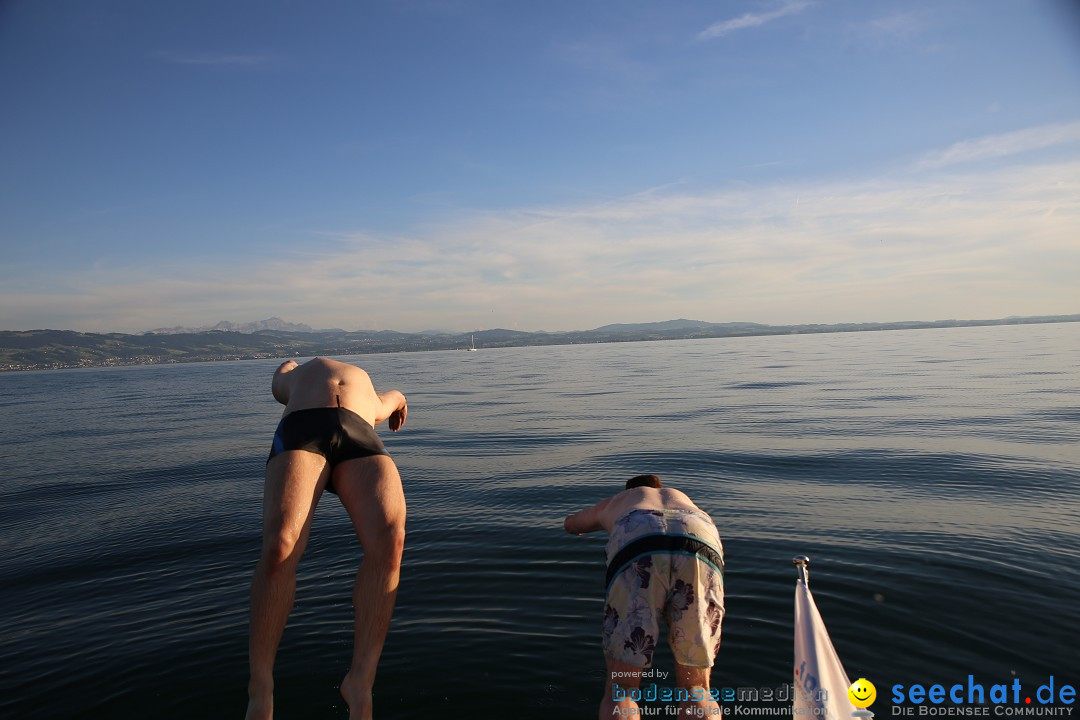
(644,481)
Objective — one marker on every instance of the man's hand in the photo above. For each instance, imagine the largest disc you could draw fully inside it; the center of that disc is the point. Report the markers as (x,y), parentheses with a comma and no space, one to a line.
(397,418)
(394,408)
(586,521)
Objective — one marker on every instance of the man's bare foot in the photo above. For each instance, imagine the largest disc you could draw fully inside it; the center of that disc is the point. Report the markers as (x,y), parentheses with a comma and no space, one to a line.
(260,708)
(358,698)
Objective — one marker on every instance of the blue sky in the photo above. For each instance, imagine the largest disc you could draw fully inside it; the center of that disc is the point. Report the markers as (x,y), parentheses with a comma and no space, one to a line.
(464,164)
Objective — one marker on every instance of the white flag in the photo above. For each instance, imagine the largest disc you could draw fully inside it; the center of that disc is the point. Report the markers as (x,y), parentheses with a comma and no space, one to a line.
(821,685)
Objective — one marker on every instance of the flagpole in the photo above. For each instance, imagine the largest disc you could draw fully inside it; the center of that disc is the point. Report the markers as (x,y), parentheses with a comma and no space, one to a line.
(801,561)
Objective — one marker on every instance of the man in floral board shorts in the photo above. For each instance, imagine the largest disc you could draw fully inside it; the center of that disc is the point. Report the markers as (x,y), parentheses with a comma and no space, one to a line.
(665,561)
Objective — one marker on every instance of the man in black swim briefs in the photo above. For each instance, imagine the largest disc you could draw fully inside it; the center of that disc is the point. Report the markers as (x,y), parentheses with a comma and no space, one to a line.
(665,561)
(326,440)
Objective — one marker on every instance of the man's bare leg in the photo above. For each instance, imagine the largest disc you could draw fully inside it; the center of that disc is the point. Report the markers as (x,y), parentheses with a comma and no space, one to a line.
(370,489)
(626,677)
(294,482)
(689,678)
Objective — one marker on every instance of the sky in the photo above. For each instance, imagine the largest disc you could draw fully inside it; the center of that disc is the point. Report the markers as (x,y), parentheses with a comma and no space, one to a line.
(473,164)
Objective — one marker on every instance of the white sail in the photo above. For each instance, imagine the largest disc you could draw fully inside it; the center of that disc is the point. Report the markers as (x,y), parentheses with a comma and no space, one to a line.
(821,685)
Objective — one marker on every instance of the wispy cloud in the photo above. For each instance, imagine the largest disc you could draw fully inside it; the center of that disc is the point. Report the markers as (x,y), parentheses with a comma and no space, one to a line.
(900,26)
(992,147)
(750,20)
(984,244)
(240,60)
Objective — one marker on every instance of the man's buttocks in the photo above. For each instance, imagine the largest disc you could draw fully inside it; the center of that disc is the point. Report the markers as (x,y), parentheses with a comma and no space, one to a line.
(680,522)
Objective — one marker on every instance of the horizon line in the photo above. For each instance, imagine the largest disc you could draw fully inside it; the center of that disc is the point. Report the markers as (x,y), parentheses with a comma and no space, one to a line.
(208,329)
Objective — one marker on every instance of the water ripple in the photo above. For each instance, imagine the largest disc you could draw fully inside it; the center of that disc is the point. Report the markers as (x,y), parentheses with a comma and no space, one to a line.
(933,476)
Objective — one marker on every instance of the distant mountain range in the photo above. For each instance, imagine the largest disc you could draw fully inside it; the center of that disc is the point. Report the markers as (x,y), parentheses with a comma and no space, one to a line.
(274,323)
(675,325)
(275,338)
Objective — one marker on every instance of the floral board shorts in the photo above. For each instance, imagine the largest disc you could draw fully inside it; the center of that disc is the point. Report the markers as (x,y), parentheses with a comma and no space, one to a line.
(665,564)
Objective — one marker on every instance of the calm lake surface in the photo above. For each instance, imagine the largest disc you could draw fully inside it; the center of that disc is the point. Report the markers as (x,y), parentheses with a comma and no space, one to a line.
(933,476)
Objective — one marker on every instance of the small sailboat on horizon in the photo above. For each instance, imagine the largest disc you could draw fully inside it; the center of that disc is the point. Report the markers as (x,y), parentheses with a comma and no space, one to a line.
(472,347)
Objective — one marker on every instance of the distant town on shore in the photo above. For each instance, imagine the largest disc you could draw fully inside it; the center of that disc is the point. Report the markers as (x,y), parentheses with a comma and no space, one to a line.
(274,338)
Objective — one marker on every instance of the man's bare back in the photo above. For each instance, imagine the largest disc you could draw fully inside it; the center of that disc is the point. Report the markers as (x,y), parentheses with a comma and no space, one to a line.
(322,382)
(603,515)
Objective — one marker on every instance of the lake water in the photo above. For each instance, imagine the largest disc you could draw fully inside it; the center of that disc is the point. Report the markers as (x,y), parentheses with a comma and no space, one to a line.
(933,476)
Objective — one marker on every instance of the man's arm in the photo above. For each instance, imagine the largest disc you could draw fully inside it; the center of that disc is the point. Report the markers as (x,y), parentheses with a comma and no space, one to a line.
(393,408)
(586,521)
(280,386)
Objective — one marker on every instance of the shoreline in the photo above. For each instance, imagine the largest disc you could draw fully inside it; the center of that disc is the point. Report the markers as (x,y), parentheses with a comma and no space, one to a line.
(184,348)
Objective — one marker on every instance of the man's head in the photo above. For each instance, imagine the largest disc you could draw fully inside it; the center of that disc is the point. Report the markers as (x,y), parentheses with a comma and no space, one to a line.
(644,481)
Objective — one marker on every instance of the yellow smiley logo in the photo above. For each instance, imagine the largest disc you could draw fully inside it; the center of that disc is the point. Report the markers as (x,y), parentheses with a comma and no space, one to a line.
(862,693)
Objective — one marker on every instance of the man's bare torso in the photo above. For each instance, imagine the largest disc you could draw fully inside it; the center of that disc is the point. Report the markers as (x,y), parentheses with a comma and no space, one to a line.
(322,382)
